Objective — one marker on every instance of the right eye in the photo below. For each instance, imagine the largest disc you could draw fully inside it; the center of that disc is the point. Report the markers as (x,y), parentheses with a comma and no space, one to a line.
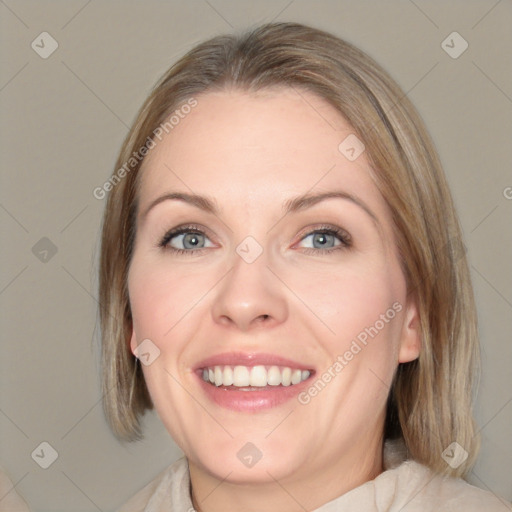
(185,239)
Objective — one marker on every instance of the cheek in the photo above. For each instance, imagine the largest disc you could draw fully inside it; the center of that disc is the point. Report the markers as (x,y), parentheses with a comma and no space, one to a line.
(160,299)
(363,302)
(162,310)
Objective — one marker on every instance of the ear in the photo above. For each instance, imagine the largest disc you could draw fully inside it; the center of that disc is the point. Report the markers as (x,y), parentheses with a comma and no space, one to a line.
(133,343)
(410,339)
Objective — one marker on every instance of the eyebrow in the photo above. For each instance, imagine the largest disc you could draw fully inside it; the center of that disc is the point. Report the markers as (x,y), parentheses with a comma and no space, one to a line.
(308,200)
(202,202)
(209,204)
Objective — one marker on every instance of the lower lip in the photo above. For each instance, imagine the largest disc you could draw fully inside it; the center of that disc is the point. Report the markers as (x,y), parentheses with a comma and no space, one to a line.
(256,400)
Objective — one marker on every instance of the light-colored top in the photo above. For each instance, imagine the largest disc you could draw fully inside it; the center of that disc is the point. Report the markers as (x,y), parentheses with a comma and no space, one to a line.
(10,500)
(404,486)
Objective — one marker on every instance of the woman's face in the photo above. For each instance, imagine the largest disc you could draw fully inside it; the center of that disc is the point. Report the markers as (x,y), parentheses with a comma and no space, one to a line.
(293,304)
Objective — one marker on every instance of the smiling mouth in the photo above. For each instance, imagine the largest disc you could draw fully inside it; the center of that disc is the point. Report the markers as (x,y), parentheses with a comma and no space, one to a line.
(252,378)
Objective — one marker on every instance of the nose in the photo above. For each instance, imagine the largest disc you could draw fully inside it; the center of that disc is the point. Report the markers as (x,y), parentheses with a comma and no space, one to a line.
(250,296)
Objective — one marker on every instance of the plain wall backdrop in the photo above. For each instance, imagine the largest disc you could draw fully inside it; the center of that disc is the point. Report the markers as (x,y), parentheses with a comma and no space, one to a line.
(63,119)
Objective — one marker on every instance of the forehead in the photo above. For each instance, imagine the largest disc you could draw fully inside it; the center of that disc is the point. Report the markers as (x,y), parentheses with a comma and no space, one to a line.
(256,148)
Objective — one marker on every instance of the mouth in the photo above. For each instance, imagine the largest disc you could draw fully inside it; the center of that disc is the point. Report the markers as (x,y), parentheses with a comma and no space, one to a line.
(251,382)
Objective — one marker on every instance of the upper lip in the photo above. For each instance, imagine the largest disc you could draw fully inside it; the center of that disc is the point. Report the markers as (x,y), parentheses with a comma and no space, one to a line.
(250,359)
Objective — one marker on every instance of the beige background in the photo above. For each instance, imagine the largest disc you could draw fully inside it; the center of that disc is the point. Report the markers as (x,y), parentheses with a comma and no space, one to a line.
(63,120)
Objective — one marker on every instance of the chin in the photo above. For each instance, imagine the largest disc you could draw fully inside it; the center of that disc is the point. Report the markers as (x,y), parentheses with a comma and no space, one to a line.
(244,461)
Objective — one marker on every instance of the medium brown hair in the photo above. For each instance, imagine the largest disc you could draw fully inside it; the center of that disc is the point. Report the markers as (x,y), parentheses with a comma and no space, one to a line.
(430,401)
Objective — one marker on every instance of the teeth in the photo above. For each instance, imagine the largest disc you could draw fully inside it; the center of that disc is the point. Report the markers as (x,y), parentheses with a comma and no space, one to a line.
(254,376)
(296,376)
(274,376)
(258,376)
(286,377)
(227,378)
(217,372)
(241,376)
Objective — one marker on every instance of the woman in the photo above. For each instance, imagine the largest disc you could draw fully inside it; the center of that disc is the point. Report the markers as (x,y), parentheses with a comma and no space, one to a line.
(283,279)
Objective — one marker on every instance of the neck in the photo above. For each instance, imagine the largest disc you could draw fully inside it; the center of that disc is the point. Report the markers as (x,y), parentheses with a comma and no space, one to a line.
(299,491)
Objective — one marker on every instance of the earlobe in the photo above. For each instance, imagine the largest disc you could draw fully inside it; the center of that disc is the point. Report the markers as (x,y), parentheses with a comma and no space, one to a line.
(133,343)
(410,343)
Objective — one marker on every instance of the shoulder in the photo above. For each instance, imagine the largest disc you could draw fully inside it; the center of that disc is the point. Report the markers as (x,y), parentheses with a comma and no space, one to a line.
(416,488)
(173,479)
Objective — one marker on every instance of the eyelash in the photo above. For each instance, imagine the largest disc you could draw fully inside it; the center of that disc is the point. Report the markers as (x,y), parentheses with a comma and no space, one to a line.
(339,233)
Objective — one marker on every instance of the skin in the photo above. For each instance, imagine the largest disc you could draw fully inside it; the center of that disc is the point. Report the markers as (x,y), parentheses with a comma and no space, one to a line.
(252,152)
